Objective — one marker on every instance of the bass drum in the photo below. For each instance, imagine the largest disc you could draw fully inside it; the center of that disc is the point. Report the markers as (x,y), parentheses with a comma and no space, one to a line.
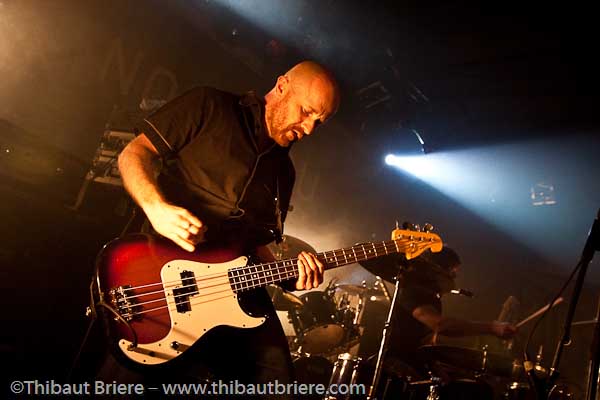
(318,323)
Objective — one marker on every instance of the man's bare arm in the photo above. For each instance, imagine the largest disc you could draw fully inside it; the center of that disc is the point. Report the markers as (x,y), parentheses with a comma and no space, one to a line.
(446,326)
(138,165)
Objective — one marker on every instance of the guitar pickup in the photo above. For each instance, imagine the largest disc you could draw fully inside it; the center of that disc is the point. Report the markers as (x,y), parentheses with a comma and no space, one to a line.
(182,294)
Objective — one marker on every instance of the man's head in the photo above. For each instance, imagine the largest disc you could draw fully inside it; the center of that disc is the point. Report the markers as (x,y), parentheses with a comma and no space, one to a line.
(435,270)
(447,261)
(302,99)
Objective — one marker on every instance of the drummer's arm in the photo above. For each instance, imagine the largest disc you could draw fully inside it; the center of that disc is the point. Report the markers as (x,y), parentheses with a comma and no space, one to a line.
(447,326)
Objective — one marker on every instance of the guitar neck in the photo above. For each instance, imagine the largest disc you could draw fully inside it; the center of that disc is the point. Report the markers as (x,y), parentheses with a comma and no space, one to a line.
(258,275)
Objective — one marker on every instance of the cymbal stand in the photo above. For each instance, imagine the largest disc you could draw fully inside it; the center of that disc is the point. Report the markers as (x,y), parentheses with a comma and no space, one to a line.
(387,330)
(434,387)
(591,246)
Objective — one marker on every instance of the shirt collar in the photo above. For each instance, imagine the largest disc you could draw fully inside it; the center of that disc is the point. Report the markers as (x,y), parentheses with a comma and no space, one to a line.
(256,105)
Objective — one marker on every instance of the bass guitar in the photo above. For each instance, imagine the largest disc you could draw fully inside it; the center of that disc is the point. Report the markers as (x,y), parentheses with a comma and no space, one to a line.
(161,299)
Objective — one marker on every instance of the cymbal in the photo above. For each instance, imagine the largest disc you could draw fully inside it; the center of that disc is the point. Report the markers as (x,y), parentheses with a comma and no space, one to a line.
(372,294)
(387,267)
(282,300)
(472,359)
(290,247)
(352,289)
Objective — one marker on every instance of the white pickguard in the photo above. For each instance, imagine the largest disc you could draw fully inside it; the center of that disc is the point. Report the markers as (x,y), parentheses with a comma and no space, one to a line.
(210,307)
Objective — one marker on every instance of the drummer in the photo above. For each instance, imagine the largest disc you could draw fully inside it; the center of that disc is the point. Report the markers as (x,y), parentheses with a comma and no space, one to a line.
(419,318)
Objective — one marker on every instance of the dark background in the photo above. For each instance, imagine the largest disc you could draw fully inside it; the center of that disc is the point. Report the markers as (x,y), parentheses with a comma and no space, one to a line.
(517,78)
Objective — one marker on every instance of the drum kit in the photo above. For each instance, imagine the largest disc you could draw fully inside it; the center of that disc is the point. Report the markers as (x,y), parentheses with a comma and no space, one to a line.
(331,346)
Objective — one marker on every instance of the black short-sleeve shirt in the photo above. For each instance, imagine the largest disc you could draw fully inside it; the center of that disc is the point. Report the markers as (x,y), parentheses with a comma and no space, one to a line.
(208,140)
(408,333)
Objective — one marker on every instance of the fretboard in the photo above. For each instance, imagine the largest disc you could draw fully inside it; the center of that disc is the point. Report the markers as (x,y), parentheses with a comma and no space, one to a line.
(258,275)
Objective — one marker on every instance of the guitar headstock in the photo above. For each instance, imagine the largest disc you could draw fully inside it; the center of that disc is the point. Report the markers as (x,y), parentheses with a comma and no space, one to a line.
(413,242)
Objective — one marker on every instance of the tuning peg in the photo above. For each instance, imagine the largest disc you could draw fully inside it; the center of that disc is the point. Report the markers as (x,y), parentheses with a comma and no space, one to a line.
(427,227)
(408,226)
(417,228)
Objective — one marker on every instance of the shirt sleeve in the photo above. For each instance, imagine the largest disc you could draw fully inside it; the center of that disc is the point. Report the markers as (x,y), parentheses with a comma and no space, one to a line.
(176,123)
(414,297)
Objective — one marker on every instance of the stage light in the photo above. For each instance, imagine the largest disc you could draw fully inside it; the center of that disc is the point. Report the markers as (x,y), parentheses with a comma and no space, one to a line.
(506,186)
(419,166)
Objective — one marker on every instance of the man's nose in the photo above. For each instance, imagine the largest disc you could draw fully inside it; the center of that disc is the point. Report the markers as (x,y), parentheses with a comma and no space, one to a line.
(308,125)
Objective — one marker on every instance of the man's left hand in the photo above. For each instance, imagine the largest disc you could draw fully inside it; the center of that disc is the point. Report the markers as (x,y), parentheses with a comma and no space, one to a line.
(310,271)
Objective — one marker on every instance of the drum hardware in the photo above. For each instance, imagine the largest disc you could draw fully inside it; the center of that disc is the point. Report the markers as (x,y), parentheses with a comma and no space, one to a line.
(318,323)
(478,361)
(353,289)
(389,268)
(345,372)
(516,391)
(434,388)
(560,392)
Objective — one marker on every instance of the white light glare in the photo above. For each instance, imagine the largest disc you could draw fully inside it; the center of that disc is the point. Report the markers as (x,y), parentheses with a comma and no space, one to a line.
(419,166)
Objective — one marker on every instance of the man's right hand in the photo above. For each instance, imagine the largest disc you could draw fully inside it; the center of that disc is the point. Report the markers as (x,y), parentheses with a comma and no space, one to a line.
(177,224)
(503,330)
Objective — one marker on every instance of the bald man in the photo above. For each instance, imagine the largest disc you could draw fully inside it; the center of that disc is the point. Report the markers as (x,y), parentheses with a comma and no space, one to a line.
(227,178)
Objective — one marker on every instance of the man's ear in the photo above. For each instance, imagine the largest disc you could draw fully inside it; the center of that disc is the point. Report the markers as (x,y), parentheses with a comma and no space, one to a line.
(282,85)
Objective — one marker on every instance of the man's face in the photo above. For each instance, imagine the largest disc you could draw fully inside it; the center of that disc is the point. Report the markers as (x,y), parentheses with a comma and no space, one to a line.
(299,110)
(454,270)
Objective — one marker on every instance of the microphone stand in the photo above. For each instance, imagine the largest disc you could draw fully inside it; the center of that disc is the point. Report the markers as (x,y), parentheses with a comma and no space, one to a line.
(387,330)
(594,363)
(591,246)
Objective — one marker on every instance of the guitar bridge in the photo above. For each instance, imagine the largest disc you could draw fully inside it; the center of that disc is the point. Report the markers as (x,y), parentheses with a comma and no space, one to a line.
(123,301)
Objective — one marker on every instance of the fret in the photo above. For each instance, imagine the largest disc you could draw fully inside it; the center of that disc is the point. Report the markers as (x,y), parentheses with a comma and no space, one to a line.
(231,280)
(261,274)
(269,272)
(290,274)
(236,278)
(266,273)
(330,260)
(253,276)
(243,281)
(256,277)
(262,280)
(364,252)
